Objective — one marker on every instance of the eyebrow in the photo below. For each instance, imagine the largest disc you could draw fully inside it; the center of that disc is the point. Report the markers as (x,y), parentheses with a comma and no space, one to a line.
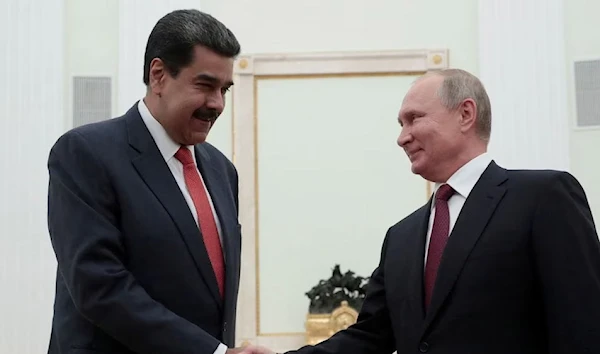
(410,112)
(211,79)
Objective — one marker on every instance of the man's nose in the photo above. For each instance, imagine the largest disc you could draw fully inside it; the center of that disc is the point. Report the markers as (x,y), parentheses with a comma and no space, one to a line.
(216,101)
(405,137)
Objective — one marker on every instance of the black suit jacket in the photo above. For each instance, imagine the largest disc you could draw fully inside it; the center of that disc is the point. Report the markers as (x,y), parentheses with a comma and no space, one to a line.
(520,275)
(133,273)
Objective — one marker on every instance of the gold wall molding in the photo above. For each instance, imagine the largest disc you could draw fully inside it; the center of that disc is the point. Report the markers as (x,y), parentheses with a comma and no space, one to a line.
(398,62)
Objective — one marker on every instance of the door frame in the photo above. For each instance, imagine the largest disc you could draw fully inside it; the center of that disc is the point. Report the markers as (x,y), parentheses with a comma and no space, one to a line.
(248,69)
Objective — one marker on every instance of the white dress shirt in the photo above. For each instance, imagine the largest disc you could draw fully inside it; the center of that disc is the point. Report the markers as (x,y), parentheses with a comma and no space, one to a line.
(462,181)
(168,148)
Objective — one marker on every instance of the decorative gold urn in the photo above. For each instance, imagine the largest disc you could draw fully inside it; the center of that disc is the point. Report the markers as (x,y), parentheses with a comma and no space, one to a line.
(320,327)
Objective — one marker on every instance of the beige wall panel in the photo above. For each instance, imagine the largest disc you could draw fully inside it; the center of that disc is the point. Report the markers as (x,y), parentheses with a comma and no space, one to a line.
(331,181)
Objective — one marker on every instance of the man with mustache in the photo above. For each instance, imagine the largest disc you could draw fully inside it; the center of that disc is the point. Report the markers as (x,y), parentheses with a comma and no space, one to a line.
(143,213)
(498,261)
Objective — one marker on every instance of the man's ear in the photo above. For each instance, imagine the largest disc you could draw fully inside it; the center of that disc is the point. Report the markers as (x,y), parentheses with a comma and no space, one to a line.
(468,114)
(157,76)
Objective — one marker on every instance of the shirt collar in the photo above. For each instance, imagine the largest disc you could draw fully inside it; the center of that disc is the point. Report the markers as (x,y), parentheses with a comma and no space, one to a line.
(463,180)
(166,145)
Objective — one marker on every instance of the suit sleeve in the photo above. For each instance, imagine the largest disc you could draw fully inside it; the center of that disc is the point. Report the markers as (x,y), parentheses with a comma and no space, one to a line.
(372,333)
(83,222)
(567,257)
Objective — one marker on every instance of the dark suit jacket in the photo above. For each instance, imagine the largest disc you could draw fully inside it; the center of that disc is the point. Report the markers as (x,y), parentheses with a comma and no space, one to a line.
(520,275)
(133,273)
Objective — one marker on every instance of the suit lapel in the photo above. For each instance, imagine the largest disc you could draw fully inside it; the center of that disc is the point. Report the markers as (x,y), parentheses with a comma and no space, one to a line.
(151,166)
(472,220)
(416,250)
(404,266)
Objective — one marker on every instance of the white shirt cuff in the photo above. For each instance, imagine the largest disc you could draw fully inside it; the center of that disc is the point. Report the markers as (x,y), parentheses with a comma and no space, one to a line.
(221,349)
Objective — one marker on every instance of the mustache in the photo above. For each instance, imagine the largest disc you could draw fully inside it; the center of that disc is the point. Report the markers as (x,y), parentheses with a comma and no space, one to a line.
(206,114)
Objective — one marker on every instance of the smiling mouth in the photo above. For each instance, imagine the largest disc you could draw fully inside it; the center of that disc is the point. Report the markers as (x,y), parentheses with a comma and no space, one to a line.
(411,155)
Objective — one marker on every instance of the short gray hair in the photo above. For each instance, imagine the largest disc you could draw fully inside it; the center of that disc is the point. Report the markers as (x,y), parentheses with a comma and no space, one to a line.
(459,85)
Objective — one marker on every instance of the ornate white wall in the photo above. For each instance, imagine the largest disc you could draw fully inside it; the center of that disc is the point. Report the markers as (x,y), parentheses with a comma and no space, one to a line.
(583,43)
(31,118)
(522,65)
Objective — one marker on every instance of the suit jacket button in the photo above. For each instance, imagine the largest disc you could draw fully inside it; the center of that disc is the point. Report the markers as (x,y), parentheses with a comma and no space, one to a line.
(423,347)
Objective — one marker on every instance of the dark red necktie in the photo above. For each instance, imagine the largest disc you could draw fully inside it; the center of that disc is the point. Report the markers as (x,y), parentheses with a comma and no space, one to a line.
(206,219)
(439,237)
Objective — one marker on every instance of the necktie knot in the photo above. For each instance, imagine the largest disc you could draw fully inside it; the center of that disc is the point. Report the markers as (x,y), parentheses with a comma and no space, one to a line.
(444,192)
(184,155)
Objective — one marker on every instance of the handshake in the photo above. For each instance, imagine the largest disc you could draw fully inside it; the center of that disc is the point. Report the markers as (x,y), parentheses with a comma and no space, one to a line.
(251,349)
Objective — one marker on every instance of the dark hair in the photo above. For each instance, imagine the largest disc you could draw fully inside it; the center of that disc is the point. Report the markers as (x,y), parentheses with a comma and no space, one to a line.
(175,36)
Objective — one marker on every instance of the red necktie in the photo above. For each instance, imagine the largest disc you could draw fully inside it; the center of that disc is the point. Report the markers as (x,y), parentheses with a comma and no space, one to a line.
(206,219)
(439,237)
